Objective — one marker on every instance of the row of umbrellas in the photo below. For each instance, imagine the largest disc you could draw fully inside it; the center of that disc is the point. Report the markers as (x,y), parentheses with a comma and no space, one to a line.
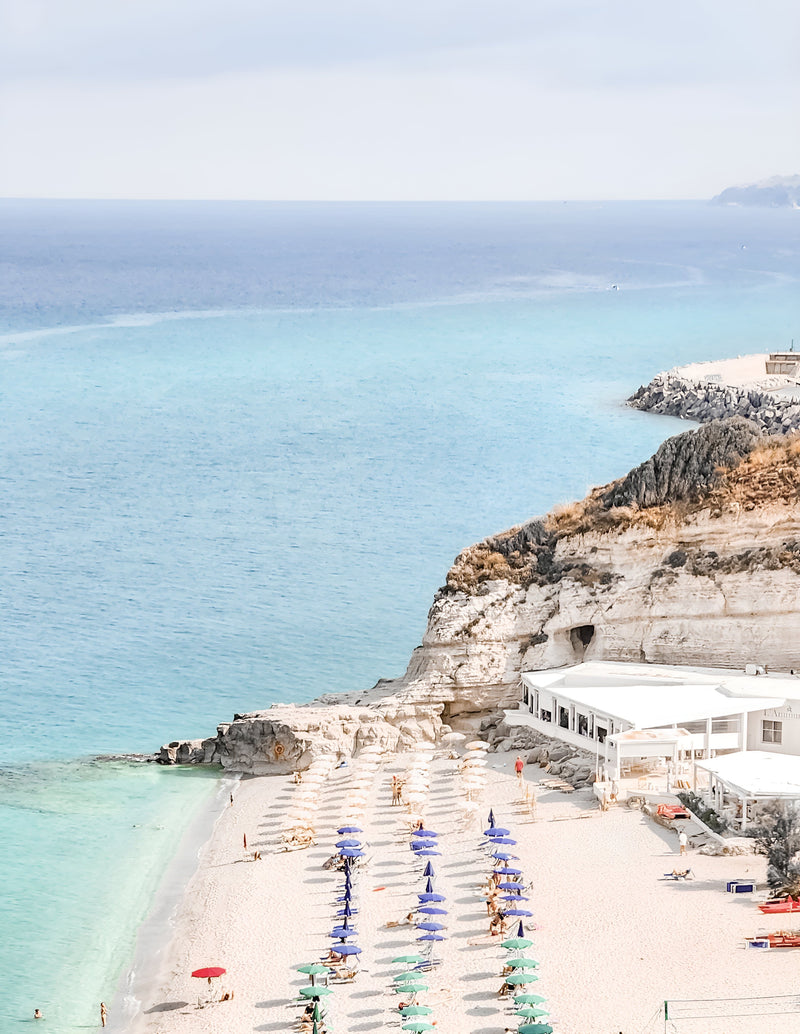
(299,823)
(508,878)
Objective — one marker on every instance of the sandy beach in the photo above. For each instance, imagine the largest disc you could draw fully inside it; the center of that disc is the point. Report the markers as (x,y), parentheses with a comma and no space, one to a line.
(613,939)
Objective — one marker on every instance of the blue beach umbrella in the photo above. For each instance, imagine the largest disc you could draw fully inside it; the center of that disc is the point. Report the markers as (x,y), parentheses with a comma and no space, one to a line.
(503,856)
(430,897)
(496,831)
(427,854)
(491,818)
(428,886)
(517,912)
(508,885)
(431,937)
(520,930)
(508,871)
(347,949)
(431,910)
(423,833)
(429,870)
(504,840)
(514,897)
(351,852)
(430,927)
(348,843)
(349,829)
(421,845)
(343,931)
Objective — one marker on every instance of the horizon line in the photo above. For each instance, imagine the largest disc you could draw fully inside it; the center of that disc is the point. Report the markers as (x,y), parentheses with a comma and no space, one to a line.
(360,201)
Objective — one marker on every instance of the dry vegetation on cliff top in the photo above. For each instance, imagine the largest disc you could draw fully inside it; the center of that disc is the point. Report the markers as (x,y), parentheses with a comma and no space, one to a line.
(722,467)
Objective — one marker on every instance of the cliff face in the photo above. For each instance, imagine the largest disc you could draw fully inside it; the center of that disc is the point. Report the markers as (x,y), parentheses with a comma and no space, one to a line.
(692,558)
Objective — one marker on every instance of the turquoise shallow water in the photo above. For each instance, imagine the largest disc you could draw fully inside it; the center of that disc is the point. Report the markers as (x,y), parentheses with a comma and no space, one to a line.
(256,501)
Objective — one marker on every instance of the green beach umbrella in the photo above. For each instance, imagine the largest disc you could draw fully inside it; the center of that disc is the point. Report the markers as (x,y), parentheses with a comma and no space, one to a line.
(517,943)
(410,989)
(529,999)
(406,978)
(418,1025)
(520,978)
(410,960)
(535,1028)
(415,1010)
(532,1010)
(522,963)
(315,992)
(312,967)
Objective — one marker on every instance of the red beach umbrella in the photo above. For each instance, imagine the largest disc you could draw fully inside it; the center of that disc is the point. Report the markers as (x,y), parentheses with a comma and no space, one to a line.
(209,972)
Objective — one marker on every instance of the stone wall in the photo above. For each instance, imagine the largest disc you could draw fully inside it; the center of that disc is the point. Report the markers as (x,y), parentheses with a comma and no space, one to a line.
(671,395)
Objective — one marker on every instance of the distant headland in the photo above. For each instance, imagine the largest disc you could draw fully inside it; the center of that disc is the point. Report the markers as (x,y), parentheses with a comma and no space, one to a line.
(775,192)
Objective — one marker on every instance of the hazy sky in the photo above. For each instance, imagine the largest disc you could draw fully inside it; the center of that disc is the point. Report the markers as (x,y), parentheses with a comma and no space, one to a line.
(501,99)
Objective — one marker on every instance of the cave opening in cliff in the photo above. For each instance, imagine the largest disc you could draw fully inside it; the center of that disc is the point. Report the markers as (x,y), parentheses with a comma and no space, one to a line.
(580,637)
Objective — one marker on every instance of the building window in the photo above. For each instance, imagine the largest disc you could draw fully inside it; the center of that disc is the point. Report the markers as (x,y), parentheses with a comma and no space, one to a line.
(583,725)
(601,733)
(563,717)
(771,732)
(525,694)
(546,716)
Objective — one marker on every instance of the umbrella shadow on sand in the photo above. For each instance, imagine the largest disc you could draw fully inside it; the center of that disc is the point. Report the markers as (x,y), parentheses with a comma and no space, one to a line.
(166,1007)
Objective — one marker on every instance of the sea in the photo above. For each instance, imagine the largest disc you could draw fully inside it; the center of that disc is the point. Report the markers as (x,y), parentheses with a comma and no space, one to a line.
(241,445)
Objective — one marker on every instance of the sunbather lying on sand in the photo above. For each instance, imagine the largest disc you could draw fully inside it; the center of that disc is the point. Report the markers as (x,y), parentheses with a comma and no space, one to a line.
(406,921)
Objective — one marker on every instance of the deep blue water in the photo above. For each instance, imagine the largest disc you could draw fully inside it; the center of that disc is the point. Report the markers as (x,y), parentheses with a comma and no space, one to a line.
(241,445)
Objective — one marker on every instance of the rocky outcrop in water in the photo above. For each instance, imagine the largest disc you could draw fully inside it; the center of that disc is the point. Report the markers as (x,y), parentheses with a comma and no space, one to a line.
(776,192)
(672,395)
(692,558)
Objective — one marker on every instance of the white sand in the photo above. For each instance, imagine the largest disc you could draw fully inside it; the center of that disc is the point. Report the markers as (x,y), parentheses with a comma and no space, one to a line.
(613,939)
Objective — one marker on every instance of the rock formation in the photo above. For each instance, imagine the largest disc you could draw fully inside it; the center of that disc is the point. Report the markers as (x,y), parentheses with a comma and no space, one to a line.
(673,395)
(692,558)
(775,192)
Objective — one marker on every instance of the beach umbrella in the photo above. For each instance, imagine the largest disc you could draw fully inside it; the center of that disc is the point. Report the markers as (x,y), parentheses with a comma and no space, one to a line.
(522,963)
(348,843)
(520,978)
(514,897)
(431,910)
(491,818)
(415,1010)
(508,885)
(351,852)
(342,932)
(429,870)
(507,870)
(427,854)
(536,1028)
(409,960)
(423,833)
(528,999)
(411,989)
(520,930)
(504,840)
(315,992)
(503,856)
(348,829)
(407,978)
(312,968)
(431,897)
(208,973)
(428,886)
(517,912)
(431,937)
(418,1025)
(516,943)
(347,949)
(431,927)
(531,1011)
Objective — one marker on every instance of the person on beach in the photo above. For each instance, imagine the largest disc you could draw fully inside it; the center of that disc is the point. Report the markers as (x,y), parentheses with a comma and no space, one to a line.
(683,840)
(519,765)
(103,1014)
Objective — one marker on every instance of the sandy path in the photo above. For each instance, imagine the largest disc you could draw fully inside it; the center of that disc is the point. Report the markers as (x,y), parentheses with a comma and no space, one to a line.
(613,940)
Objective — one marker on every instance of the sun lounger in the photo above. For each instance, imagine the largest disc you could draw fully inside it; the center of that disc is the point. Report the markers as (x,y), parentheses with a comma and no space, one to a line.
(678,874)
(784,939)
(786,904)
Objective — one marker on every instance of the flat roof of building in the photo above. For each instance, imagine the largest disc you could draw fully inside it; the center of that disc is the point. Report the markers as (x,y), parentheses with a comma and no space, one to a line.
(757,773)
(652,695)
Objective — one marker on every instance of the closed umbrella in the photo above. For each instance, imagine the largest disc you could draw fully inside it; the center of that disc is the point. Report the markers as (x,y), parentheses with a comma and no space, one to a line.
(491,817)
(429,870)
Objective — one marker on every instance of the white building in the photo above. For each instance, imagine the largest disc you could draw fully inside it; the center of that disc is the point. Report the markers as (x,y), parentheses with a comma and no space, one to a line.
(622,712)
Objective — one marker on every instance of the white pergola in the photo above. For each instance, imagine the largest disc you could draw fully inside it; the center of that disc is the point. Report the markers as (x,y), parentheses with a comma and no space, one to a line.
(752,775)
